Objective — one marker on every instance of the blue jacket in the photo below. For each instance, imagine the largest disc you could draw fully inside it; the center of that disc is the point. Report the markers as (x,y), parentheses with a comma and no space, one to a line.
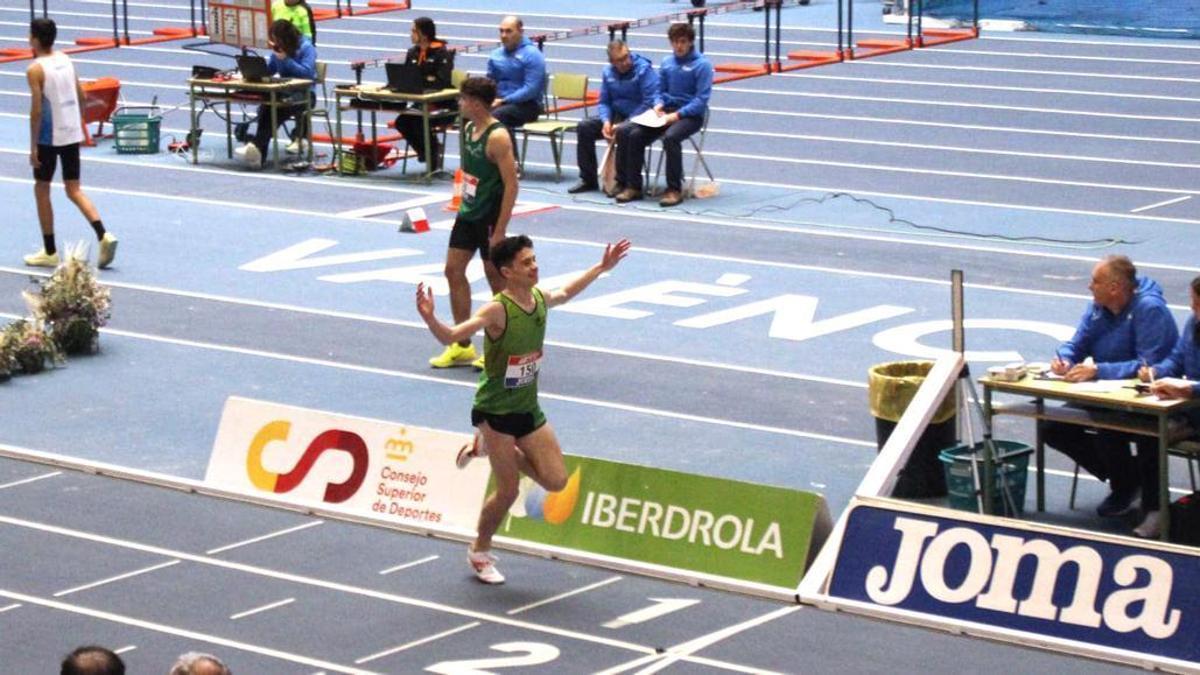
(1184,360)
(520,75)
(1144,332)
(685,85)
(303,64)
(630,94)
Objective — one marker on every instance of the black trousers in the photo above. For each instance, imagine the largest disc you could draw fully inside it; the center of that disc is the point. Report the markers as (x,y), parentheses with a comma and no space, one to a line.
(587,133)
(412,127)
(263,131)
(513,115)
(1105,454)
(632,140)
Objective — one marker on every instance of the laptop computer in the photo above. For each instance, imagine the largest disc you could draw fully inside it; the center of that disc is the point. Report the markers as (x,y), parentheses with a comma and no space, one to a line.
(253,68)
(404,78)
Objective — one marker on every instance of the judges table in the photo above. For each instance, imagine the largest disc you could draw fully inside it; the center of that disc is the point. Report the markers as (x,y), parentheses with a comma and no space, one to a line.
(1116,407)
(373,98)
(274,93)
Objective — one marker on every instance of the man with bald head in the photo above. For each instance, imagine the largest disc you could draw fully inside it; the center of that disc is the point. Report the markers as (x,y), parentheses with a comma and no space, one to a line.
(519,71)
(92,660)
(1127,325)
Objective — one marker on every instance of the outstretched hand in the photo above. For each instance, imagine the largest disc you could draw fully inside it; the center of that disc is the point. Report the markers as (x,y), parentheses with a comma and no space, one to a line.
(614,253)
(424,301)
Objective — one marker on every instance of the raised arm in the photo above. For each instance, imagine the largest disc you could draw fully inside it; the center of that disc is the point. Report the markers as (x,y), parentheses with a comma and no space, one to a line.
(613,254)
(489,317)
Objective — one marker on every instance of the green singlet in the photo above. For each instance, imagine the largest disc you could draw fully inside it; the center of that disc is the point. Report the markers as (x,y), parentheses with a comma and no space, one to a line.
(297,15)
(508,383)
(482,186)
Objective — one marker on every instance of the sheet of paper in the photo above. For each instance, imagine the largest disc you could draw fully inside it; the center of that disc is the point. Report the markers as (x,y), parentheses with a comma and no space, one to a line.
(1098,386)
(649,119)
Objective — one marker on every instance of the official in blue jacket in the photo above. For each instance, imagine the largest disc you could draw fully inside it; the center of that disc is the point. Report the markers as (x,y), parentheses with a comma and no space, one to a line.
(292,56)
(1184,361)
(519,71)
(628,87)
(1127,324)
(685,85)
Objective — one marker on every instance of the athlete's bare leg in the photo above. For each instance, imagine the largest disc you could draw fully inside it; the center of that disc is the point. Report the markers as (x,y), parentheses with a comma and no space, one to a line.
(76,195)
(506,467)
(460,289)
(543,458)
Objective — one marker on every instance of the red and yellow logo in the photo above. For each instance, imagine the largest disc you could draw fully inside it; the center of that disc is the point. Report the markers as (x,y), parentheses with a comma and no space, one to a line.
(327,441)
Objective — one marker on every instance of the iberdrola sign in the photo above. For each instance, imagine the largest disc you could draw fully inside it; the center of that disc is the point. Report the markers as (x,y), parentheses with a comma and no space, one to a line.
(714,526)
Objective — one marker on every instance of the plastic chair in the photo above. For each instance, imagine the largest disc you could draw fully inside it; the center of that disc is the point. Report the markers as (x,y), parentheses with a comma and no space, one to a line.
(697,149)
(322,107)
(1188,448)
(565,87)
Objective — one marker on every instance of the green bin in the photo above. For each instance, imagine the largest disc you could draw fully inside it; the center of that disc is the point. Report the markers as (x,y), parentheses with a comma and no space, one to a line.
(136,129)
(1011,471)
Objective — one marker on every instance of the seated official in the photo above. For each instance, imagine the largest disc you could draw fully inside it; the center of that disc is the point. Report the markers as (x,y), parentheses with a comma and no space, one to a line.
(292,56)
(435,61)
(1127,324)
(1184,361)
(519,71)
(628,87)
(685,85)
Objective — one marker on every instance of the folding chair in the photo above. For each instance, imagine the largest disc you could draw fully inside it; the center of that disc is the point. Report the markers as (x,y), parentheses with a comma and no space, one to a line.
(570,88)
(322,108)
(697,148)
(1188,449)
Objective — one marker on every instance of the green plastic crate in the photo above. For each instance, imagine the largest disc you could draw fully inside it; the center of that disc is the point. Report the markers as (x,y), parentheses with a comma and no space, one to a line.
(136,129)
(1011,472)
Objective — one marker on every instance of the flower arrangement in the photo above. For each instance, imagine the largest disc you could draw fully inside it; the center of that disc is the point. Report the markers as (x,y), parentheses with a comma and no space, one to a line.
(72,304)
(26,347)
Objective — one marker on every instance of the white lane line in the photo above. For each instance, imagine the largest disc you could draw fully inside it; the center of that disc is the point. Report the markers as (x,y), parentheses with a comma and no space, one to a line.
(125,650)
(608,405)
(180,632)
(678,652)
(415,643)
(407,565)
(560,596)
(1158,204)
(255,540)
(337,587)
(118,577)
(264,608)
(25,481)
(1024,71)
(380,209)
(6,608)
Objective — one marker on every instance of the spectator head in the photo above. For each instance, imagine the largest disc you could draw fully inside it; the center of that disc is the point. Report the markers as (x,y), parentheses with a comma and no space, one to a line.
(285,37)
(475,96)
(92,660)
(619,56)
(1196,301)
(195,663)
(424,30)
(42,33)
(512,31)
(507,253)
(682,37)
(1114,281)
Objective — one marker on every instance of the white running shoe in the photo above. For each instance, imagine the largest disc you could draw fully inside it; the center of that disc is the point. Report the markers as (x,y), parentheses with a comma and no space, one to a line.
(249,154)
(42,259)
(1149,528)
(297,147)
(484,564)
(108,250)
(470,451)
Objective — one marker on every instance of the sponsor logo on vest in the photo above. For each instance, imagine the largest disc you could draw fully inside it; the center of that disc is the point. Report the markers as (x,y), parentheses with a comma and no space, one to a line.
(1142,600)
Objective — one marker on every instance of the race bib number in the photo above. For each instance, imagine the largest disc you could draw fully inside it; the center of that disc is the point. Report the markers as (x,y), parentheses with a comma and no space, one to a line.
(470,186)
(522,370)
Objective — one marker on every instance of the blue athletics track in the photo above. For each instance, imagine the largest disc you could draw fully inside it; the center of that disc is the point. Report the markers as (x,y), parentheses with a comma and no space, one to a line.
(734,341)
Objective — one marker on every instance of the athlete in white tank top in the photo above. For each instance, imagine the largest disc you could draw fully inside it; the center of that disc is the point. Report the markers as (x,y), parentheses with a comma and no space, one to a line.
(59,89)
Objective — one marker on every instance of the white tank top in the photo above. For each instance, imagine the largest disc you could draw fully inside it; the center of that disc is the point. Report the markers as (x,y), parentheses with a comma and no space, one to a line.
(59,90)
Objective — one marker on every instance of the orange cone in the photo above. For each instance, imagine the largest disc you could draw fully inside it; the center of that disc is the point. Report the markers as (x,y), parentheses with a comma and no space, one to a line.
(456,200)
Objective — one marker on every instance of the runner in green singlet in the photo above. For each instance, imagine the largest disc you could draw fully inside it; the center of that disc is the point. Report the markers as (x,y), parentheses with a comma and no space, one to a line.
(512,430)
(489,192)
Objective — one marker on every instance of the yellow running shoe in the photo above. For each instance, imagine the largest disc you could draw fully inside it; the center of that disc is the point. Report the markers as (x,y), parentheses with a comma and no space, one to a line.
(477,364)
(43,259)
(454,355)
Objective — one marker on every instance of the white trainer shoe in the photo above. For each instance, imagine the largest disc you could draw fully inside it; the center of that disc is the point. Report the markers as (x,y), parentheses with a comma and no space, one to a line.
(484,564)
(42,259)
(1149,528)
(108,250)
(249,155)
(297,147)
(470,451)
